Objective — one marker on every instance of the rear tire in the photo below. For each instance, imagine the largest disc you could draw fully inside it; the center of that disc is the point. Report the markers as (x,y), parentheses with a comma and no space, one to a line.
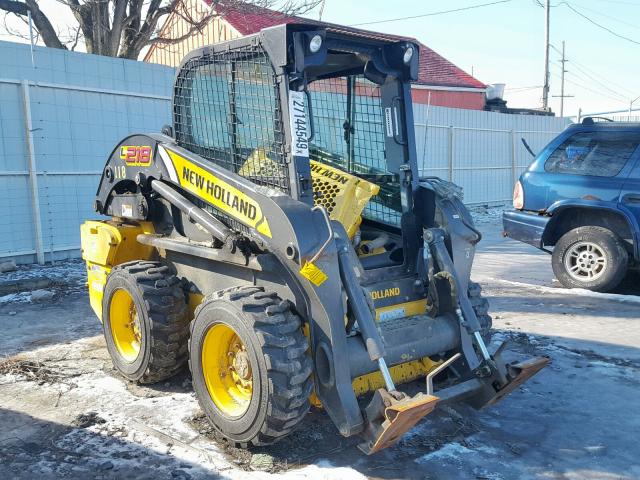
(145,321)
(263,401)
(590,257)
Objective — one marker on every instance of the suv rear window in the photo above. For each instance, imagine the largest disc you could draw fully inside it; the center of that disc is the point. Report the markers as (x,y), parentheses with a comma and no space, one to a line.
(600,154)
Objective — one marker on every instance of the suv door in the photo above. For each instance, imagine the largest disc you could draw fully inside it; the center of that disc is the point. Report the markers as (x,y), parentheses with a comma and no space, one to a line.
(630,200)
(591,164)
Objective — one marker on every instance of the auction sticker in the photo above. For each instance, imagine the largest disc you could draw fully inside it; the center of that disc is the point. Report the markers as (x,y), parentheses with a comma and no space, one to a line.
(299,124)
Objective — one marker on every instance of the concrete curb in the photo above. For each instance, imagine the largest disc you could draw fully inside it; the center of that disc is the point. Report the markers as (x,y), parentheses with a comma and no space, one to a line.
(24,285)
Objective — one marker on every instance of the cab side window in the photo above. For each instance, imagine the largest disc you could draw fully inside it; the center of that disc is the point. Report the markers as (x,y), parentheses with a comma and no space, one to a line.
(599,154)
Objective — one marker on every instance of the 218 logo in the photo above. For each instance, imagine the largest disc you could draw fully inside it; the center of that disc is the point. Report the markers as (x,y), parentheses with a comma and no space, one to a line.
(136,156)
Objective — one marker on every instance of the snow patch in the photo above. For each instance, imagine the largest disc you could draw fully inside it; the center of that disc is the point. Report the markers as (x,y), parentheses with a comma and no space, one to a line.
(451,451)
(455,450)
(22,297)
(580,292)
(67,271)
(484,215)
(321,470)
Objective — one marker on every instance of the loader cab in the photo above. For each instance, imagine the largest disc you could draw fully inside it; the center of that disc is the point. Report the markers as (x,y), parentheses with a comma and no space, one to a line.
(295,108)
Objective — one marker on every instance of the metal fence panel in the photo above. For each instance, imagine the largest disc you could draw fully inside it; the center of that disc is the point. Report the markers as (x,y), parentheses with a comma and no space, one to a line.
(81,105)
(480,151)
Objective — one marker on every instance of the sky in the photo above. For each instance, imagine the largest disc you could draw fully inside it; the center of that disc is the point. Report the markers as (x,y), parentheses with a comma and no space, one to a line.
(504,43)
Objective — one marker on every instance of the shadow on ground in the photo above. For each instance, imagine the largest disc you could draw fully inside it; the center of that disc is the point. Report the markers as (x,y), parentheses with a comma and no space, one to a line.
(29,326)
(35,448)
(569,421)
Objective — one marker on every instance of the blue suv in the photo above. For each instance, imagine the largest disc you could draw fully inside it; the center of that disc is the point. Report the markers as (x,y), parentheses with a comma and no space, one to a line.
(581,196)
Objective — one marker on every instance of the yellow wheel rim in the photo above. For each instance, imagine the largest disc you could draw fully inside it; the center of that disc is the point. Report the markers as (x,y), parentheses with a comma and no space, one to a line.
(125,325)
(227,370)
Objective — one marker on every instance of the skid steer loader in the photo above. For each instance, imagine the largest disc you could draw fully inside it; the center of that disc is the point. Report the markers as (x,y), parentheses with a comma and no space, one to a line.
(278,237)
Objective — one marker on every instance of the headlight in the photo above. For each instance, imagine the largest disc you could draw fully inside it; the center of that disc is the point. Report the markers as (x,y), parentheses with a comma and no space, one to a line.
(408,55)
(315,44)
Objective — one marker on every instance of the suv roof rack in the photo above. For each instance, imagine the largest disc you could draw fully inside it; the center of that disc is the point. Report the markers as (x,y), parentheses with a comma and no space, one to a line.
(591,120)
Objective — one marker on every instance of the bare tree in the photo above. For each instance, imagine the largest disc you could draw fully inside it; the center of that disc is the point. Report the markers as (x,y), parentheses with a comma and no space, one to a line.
(122,28)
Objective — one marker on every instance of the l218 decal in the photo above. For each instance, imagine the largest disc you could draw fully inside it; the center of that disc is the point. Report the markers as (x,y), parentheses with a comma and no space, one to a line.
(136,156)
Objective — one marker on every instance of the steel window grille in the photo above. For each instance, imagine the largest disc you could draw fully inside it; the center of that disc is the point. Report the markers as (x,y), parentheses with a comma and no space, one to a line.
(227,110)
(349,134)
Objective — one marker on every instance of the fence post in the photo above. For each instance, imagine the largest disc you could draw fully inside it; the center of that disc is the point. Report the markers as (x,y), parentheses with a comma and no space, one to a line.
(33,173)
(513,159)
(451,138)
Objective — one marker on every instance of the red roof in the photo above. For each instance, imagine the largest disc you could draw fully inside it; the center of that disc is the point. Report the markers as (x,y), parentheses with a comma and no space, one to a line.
(434,70)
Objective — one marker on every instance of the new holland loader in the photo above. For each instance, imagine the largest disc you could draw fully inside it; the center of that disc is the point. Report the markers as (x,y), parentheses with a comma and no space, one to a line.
(279,238)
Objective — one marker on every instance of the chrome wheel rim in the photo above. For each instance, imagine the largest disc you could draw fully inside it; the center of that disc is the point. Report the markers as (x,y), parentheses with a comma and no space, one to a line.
(585,262)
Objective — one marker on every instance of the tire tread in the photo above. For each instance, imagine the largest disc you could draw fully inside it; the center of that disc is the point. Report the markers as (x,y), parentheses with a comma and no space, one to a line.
(167,313)
(284,348)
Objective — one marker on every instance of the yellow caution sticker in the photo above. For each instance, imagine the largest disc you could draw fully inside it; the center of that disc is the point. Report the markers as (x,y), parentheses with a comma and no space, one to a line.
(313,274)
(220,194)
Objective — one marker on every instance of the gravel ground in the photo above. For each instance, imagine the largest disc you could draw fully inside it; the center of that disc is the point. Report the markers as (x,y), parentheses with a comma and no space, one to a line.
(65,413)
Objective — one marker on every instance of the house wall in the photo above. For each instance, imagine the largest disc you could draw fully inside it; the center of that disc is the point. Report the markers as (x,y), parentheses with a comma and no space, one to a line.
(448,98)
(175,27)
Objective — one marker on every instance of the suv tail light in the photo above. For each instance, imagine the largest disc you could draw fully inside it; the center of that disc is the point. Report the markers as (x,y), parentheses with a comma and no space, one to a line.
(518,196)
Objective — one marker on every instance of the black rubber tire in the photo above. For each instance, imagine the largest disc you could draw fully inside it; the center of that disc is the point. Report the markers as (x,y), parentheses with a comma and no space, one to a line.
(611,245)
(481,308)
(160,303)
(276,345)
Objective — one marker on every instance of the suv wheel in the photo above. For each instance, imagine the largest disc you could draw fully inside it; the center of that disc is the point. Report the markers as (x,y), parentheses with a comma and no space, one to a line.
(590,257)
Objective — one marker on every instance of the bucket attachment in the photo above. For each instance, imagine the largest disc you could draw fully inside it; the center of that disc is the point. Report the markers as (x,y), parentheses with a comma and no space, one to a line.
(390,414)
(517,374)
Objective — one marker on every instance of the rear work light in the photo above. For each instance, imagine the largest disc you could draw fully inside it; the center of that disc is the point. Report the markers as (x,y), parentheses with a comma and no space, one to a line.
(518,196)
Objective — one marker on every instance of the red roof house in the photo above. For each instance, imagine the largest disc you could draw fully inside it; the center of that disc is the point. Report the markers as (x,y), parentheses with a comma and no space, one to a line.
(440,82)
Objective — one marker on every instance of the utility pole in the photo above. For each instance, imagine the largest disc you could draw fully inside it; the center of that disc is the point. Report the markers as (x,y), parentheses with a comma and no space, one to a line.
(562,96)
(631,106)
(563,61)
(545,88)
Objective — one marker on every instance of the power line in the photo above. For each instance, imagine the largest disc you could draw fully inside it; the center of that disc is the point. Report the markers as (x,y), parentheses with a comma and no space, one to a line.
(442,12)
(514,89)
(591,74)
(570,7)
(591,79)
(600,93)
(590,20)
(615,19)
(584,67)
(602,84)
(621,2)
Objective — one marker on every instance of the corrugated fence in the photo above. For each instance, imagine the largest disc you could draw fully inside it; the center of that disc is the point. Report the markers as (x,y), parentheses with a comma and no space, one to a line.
(60,117)
(61,114)
(480,151)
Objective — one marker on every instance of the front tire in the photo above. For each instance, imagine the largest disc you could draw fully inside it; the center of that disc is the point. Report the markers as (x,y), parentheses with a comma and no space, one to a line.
(250,367)
(590,257)
(145,321)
